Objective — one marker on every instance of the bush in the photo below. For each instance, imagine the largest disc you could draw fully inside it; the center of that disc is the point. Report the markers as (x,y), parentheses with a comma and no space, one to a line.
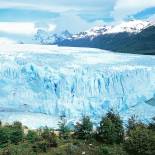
(84,129)
(16,136)
(4,137)
(42,146)
(16,132)
(140,141)
(64,131)
(111,129)
(49,136)
(152,125)
(32,136)
(112,150)
(21,149)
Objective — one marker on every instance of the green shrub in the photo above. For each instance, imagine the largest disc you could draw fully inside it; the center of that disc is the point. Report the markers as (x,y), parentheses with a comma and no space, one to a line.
(112,150)
(21,149)
(152,125)
(111,129)
(42,146)
(4,137)
(84,129)
(16,136)
(64,131)
(140,141)
(49,136)
(32,136)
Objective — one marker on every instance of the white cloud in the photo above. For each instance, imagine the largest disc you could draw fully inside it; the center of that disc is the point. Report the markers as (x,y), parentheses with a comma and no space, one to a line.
(59,6)
(69,11)
(50,6)
(124,8)
(51,27)
(6,41)
(25,28)
(73,22)
(45,26)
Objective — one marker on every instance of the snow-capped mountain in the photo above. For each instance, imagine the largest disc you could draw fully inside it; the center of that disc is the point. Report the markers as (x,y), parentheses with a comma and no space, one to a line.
(128,37)
(45,37)
(134,26)
(95,31)
(134,36)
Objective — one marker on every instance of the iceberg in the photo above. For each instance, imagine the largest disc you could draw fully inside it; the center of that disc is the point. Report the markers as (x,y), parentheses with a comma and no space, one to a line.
(41,83)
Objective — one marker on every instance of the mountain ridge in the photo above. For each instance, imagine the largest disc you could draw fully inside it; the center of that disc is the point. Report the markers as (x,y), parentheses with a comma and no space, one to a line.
(128,37)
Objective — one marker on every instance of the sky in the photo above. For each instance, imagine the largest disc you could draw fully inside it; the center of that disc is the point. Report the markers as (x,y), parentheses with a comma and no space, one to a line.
(22,18)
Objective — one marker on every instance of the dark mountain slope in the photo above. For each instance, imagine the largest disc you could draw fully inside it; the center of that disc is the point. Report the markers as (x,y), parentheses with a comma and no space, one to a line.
(140,43)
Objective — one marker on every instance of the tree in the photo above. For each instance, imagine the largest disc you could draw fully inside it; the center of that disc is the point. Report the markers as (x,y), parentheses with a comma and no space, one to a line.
(49,136)
(16,136)
(140,141)
(111,129)
(17,124)
(4,137)
(32,136)
(42,146)
(152,124)
(45,133)
(63,129)
(131,124)
(16,133)
(84,129)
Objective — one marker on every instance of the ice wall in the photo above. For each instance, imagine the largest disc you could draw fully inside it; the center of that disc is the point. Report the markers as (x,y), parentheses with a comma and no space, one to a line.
(74,82)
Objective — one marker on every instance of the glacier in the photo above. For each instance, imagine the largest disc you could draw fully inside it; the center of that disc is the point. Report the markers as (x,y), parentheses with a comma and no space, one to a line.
(41,83)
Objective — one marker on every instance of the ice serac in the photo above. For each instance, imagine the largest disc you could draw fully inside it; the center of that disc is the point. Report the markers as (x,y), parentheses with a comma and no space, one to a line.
(38,84)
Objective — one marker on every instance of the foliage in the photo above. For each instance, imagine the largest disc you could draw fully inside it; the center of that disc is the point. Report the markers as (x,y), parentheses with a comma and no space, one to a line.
(152,125)
(111,129)
(141,141)
(4,137)
(131,124)
(49,136)
(20,149)
(32,136)
(139,138)
(63,129)
(112,150)
(84,129)
(16,133)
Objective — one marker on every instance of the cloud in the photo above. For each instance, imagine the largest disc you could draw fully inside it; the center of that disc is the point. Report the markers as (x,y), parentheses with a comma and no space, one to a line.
(89,10)
(43,5)
(60,6)
(125,8)
(18,27)
(24,28)
(25,16)
(152,19)
(73,22)
(6,41)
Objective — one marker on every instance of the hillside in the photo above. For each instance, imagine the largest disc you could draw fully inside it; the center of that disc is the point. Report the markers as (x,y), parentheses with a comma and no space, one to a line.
(126,42)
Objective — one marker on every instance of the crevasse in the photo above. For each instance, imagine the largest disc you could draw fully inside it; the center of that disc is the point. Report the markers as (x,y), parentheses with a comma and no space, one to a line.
(37,83)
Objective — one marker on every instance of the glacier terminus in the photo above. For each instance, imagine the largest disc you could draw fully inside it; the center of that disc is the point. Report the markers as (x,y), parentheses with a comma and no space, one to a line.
(41,83)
